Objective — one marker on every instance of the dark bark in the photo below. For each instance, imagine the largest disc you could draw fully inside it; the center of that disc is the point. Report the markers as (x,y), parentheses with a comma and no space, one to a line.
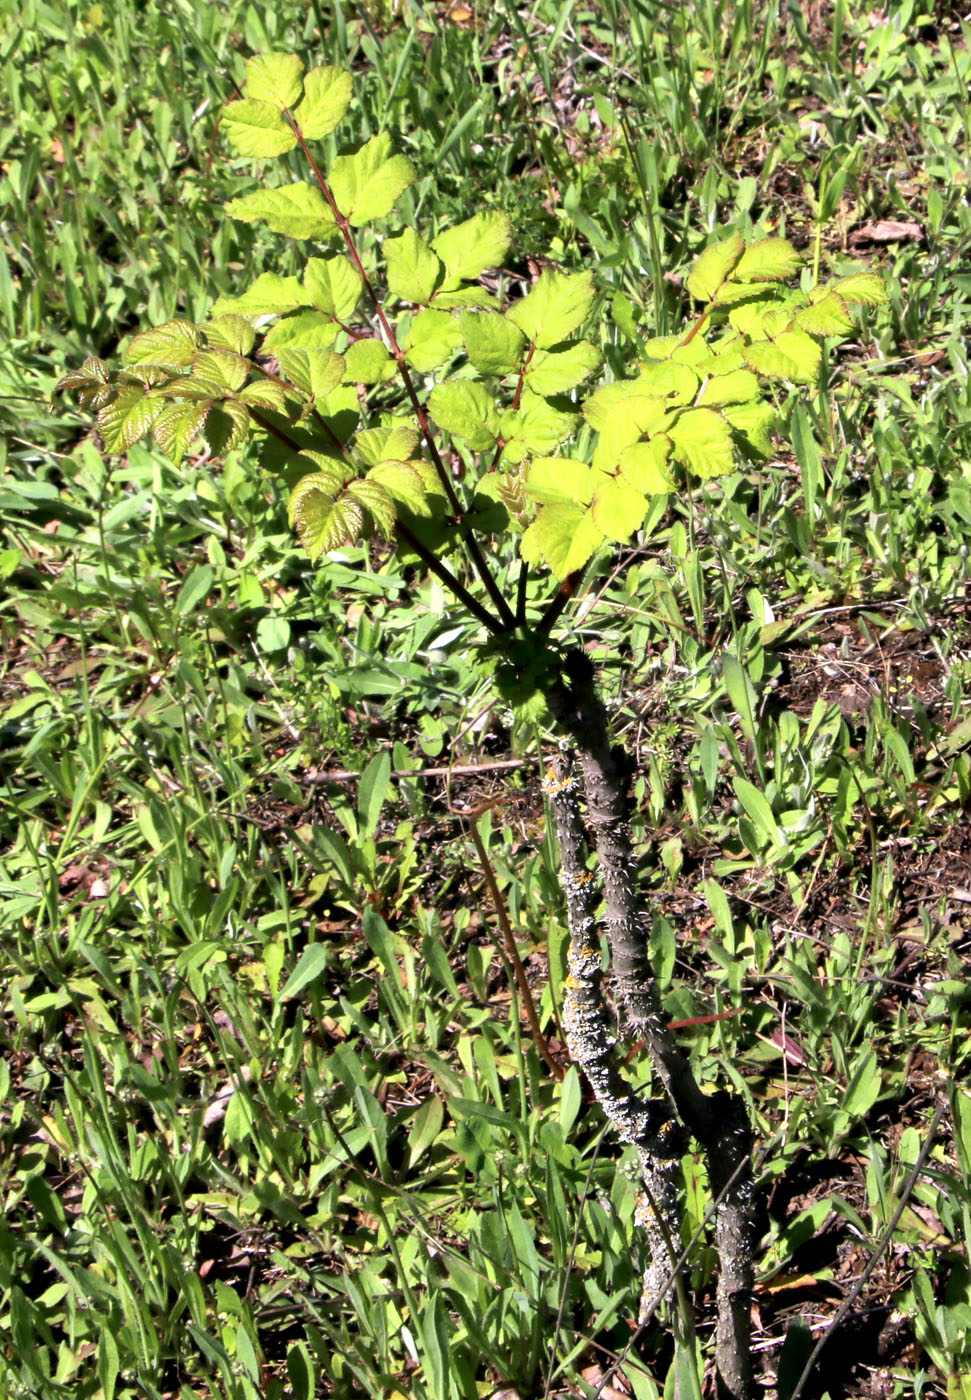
(648,1124)
(719,1121)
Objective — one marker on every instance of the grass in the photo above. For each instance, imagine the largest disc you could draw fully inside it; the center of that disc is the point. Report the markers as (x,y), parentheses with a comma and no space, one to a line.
(271,1121)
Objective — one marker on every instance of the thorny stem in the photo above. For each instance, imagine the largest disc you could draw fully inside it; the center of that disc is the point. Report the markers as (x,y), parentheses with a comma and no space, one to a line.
(719,1121)
(647,1124)
(471,543)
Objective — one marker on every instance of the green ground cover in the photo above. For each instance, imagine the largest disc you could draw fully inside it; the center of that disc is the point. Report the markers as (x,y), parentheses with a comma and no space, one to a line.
(272,1123)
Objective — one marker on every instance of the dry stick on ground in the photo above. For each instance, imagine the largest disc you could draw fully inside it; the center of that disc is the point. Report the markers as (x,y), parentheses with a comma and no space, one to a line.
(509,941)
(718,1121)
(877,1254)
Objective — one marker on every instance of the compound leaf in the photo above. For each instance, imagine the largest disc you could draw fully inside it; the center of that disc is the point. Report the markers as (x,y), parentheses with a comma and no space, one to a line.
(270,295)
(390,443)
(333,285)
(617,508)
(404,483)
(536,426)
(464,409)
(376,500)
(326,97)
(702,440)
(230,333)
(366,184)
(556,306)
(307,330)
(865,288)
(433,336)
(826,314)
(791,355)
(752,424)
(493,344)
(221,367)
(257,129)
(274,78)
(127,418)
(737,386)
(556,371)
(714,267)
(470,247)
(562,536)
(315,372)
(172,345)
(561,480)
(177,426)
(644,466)
(368,361)
(322,522)
(768,260)
(413,269)
(225,427)
(298,210)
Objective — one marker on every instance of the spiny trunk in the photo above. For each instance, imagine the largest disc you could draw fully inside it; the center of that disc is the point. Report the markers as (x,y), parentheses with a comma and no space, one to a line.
(718,1121)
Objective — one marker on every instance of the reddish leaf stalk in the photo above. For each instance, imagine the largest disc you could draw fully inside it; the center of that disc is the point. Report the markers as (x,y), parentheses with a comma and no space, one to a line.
(471,544)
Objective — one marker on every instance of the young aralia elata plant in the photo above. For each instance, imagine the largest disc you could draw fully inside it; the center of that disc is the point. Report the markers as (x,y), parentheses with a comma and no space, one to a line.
(402,398)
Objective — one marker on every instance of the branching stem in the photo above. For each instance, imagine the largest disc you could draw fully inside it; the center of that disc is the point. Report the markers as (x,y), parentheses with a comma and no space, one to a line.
(471,543)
